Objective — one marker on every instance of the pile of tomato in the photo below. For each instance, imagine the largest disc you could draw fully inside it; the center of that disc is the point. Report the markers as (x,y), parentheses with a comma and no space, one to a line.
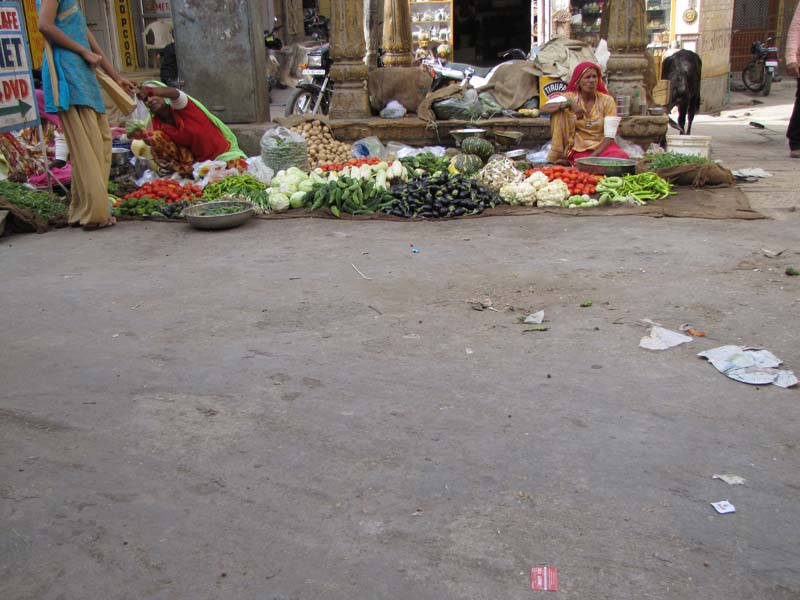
(167,190)
(353,162)
(577,181)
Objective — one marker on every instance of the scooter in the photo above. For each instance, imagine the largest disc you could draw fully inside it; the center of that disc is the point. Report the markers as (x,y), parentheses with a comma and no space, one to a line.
(272,41)
(761,71)
(445,73)
(313,94)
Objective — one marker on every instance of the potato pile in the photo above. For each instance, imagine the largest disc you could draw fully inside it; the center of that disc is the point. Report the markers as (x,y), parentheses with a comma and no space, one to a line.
(322,148)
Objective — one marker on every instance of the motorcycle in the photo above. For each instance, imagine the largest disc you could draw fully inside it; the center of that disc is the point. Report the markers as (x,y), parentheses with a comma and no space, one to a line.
(761,71)
(315,25)
(313,95)
(445,73)
(272,41)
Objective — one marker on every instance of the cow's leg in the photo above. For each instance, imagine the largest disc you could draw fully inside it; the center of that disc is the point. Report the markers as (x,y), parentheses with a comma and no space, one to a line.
(682,117)
(672,122)
(692,111)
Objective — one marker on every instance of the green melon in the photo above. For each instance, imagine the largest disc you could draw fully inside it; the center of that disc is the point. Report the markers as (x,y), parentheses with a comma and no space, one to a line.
(466,163)
(477,146)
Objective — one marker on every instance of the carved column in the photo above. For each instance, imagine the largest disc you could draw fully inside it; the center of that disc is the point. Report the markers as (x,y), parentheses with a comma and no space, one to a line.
(397,33)
(626,21)
(294,31)
(349,73)
(373,30)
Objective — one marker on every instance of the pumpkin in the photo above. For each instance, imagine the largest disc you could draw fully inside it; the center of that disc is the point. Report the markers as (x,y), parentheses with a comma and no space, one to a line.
(478,146)
(466,163)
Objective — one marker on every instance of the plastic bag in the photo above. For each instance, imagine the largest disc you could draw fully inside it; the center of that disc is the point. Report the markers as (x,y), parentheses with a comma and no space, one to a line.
(632,150)
(257,168)
(369,147)
(282,148)
(540,155)
(467,108)
(393,110)
(490,106)
(210,171)
(140,113)
(411,151)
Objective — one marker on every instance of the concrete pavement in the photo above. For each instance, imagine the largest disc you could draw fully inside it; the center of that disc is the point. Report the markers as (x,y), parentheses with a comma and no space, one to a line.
(240,414)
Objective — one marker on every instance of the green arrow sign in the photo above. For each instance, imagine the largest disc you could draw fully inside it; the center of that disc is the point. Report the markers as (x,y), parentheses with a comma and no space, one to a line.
(22,108)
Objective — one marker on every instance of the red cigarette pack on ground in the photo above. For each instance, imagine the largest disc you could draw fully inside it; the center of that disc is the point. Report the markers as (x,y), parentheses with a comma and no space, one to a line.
(544,579)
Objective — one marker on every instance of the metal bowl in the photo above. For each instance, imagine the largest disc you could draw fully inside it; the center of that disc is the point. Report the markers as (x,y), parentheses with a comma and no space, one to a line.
(507,138)
(191,213)
(516,154)
(462,134)
(613,167)
(119,157)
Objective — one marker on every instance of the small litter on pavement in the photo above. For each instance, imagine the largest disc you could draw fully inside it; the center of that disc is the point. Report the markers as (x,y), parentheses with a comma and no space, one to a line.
(586,304)
(754,172)
(544,579)
(749,365)
(723,507)
(659,338)
(535,318)
(687,328)
(730,479)
(772,253)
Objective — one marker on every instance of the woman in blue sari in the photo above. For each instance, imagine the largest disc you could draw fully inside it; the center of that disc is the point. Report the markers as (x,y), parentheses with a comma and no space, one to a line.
(71,90)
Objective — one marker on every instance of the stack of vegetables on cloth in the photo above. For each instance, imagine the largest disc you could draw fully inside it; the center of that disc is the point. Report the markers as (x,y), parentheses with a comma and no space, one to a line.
(579,118)
(183,131)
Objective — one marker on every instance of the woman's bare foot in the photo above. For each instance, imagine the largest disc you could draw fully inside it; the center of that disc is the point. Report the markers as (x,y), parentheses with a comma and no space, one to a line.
(95,226)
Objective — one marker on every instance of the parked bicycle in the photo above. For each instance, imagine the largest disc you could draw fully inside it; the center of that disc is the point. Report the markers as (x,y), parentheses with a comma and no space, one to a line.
(760,72)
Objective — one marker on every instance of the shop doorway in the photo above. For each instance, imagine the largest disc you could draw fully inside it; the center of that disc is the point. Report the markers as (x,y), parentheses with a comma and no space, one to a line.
(97,22)
(483,28)
(752,20)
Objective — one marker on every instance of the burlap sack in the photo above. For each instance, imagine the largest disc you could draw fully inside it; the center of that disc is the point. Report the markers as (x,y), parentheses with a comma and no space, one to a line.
(425,108)
(407,85)
(702,175)
(514,83)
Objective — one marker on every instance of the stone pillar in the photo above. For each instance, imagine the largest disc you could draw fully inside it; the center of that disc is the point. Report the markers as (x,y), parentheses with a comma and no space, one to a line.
(349,73)
(397,33)
(626,23)
(293,29)
(373,30)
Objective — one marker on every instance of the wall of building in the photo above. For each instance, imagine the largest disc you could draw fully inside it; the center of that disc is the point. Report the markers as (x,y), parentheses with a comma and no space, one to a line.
(713,46)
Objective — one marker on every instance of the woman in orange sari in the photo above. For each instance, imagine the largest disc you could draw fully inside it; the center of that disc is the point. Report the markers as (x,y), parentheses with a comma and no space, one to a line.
(578,118)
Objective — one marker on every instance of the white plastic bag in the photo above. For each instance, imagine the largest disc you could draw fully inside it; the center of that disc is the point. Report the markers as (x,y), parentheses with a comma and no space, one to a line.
(393,110)
(369,147)
(633,150)
(257,168)
(540,155)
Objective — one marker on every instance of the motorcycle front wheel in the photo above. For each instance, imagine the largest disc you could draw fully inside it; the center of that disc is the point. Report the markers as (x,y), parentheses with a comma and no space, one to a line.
(753,77)
(301,103)
(767,83)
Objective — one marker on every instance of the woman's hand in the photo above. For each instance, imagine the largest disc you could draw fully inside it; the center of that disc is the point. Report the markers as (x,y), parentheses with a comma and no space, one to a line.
(126,84)
(92,59)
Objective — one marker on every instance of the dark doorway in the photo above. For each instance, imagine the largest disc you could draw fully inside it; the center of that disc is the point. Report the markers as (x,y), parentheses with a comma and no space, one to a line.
(483,28)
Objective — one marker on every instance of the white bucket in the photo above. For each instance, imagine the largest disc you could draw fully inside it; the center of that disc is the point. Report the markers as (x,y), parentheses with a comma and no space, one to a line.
(698,145)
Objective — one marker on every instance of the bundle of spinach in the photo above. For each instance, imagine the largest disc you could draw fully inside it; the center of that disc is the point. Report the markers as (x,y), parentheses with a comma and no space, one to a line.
(667,160)
(33,200)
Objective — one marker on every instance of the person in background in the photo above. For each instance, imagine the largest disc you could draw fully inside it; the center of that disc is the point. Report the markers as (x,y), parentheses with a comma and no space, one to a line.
(792,60)
(184,131)
(578,118)
(72,91)
(168,65)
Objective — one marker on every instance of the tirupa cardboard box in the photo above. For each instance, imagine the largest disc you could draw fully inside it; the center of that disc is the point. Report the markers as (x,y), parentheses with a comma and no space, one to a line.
(549,86)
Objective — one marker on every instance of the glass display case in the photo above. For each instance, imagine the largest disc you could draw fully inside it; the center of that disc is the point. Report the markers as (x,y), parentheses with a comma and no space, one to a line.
(431,27)
(585,20)
(658,22)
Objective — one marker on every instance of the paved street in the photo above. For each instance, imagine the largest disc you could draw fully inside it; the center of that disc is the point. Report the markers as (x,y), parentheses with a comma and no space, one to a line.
(241,414)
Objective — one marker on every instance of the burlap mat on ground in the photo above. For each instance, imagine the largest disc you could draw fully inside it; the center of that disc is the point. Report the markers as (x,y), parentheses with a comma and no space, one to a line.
(24,221)
(722,203)
(699,175)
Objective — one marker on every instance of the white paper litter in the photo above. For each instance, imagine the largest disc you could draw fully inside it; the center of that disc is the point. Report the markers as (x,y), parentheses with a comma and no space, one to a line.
(535,319)
(730,479)
(755,172)
(749,365)
(723,507)
(659,338)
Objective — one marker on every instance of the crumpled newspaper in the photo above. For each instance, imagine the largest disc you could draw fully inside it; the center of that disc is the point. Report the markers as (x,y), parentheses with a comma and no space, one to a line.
(754,172)
(749,365)
(659,338)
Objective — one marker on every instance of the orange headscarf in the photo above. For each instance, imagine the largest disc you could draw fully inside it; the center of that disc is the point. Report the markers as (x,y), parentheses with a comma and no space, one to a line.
(578,73)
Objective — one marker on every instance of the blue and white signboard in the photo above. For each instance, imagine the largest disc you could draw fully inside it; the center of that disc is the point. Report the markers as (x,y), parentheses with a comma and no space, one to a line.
(17,102)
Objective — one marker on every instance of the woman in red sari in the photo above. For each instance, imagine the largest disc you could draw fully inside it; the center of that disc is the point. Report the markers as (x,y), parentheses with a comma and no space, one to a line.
(578,118)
